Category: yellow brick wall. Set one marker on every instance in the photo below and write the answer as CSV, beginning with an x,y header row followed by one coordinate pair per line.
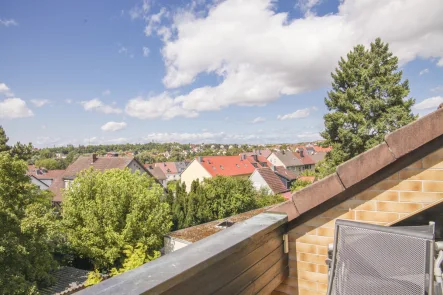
x,y
396,197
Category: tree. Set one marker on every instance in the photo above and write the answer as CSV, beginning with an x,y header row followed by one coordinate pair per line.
x,y
3,140
368,100
27,224
21,151
105,211
50,164
299,184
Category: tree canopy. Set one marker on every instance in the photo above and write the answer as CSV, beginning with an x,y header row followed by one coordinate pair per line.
x,y
368,100
104,212
27,224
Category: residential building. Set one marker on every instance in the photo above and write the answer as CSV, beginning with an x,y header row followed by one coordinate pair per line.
x,y
307,162
283,250
98,163
318,156
207,167
265,178
286,176
157,173
43,178
262,153
172,170
287,159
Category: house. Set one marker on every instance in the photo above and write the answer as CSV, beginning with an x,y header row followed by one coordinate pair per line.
x,y
306,159
286,159
286,176
264,153
112,154
283,250
43,178
98,163
317,157
157,173
266,178
207,167
172,170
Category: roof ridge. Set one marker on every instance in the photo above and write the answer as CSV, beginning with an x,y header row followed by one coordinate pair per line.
x,y
423,136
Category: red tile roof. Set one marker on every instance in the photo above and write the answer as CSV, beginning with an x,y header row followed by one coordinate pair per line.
x,y
167,167
50,174
273,181
307,178
155,171
306,159
322,149
226,165
259,162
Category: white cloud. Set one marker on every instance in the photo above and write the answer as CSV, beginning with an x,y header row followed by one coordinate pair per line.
x,y
153,21
39,102
440,62
309,136
258,120
8,22
140,11
145,51
12,108
119,140
261,55
303,113
184,137
47,140
422,72
106,92
160,106
68,101
123,50
437,89
5,90
114,126
98,106
429,103
306,5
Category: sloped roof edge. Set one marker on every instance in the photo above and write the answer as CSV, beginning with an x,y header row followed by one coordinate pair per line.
x,y
400,149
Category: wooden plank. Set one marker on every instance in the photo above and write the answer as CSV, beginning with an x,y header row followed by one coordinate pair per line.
x,y
249,276
227,270
274,283
280,267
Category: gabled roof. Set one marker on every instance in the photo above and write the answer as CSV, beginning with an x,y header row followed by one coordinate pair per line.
x,y
400,149
56,187
67,281
226,165
318,156
50,174
101,163
319,149
288,158
272,180
264,153
306,159
167,167
286,173
155,171
261,161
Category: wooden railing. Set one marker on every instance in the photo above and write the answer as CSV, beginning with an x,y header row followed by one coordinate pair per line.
x,y
246,258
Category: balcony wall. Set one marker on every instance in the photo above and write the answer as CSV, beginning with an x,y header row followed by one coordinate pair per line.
x,y
246,258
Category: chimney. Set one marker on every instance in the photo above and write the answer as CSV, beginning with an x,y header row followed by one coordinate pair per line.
x,y
94,158
301,153
200,159
273,168
255,157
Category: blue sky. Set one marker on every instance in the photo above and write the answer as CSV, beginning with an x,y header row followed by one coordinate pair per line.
x,y
254,71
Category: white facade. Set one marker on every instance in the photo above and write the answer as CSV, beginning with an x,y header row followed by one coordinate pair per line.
x,y
194,171
275,160
258,182
134,166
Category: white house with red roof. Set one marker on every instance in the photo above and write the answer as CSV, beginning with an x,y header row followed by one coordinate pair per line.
x,y
207,167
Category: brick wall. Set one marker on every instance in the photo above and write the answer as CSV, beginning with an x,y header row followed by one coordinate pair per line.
x,y
411,189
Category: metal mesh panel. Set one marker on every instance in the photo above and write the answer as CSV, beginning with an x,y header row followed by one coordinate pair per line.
x,y
375,262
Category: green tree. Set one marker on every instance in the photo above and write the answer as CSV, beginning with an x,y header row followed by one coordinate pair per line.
x,y
105,211
3,140
299,184
368,100
27,223
49,164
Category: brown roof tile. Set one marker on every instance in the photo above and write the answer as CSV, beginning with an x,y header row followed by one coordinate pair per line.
x,y
426,132
157,172
102,163
272,180
286,173
415,134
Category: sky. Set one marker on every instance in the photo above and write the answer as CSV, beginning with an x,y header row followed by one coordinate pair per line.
x,y
233,71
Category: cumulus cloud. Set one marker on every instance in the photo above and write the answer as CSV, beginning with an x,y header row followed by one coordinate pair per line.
x,y
140,11
437,89
98,106
258,120
145,51
8,22
184,137
39,102
68,101
106,92
290,59
309,136
298,114
5,90
12,108
160,106
47,140
114,126
422,72
429,103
